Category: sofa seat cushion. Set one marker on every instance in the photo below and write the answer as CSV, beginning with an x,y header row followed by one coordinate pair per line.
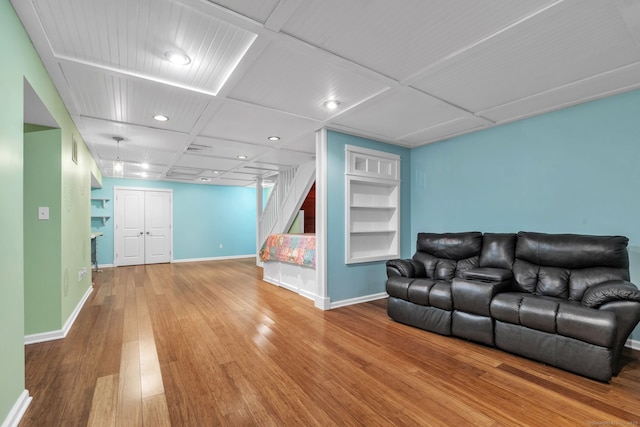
x,y
398,286
428,292
555,316
435,293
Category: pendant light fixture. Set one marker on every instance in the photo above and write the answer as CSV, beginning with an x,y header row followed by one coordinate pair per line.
x,y
118,165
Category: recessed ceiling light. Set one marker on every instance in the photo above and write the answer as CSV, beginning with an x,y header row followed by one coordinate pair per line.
x,y
242,157
205,179
176,57
160,117
273,138
144,165
332,104
216,172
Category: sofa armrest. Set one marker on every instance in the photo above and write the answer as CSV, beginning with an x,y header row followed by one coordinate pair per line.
x,y
609,291
488,274
474,296
401,267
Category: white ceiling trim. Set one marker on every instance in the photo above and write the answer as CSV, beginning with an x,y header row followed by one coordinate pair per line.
x,y
281,14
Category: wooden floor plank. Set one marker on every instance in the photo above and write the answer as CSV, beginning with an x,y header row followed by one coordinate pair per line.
x,y
155,412
210,344
105,402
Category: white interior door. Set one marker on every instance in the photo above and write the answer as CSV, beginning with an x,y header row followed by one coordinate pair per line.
x,y
142,226
129,227
157,223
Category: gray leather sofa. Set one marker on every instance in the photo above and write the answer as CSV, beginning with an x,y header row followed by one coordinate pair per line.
x,y
562,299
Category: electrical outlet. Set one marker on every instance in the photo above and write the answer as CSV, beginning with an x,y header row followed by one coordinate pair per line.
x,y
83,272
43,213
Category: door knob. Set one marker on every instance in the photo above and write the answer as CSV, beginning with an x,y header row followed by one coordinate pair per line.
x,y
141,233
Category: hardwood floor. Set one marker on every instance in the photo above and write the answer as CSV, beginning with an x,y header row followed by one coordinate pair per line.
x,y
207,344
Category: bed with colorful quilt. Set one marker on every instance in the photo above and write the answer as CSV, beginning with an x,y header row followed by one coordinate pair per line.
x,y
289,260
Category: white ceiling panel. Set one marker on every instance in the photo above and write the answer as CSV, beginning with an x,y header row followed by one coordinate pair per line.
x,y
305,143
133,37
228,149
256,10
398,39
260,169
126,99
238,121
136,174
102,131
413,111
621,80
288,80
569,42
136,171
244,178
107,151
442,131
408,72
285,158
207,163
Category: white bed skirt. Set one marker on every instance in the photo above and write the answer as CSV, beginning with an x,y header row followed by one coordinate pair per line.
x,y
297,278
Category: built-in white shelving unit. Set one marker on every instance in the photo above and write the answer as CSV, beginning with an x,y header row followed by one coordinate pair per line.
x,y
372,205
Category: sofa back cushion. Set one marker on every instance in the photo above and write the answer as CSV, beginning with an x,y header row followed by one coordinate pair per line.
x,y
565,265
498,250
446,255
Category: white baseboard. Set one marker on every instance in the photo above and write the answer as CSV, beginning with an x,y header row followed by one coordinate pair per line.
x,y
358,300
289,287
17,411
60,333
633,344
101,266
307,294
323,303
217,258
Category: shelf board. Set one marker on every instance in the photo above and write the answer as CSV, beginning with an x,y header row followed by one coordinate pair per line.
x,y
354,259
373,207
99,199
103,217
372,231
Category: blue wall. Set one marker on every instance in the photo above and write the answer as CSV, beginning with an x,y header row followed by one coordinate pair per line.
x,y
356,280
204,216
570,171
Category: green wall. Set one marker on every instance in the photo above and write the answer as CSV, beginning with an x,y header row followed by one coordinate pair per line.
x,y
42,239
74,248
12,38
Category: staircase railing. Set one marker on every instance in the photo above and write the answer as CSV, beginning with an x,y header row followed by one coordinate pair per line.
x,y
270,213
284,202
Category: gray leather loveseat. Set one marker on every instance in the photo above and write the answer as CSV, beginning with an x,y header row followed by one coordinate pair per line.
x,y
561,299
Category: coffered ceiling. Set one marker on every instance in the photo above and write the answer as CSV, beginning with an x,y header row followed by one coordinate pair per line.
x,y
407,72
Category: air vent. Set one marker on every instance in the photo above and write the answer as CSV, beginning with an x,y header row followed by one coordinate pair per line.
x,y
197,148
183,174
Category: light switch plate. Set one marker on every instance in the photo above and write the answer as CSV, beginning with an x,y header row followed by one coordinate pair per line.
x,y
43,212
